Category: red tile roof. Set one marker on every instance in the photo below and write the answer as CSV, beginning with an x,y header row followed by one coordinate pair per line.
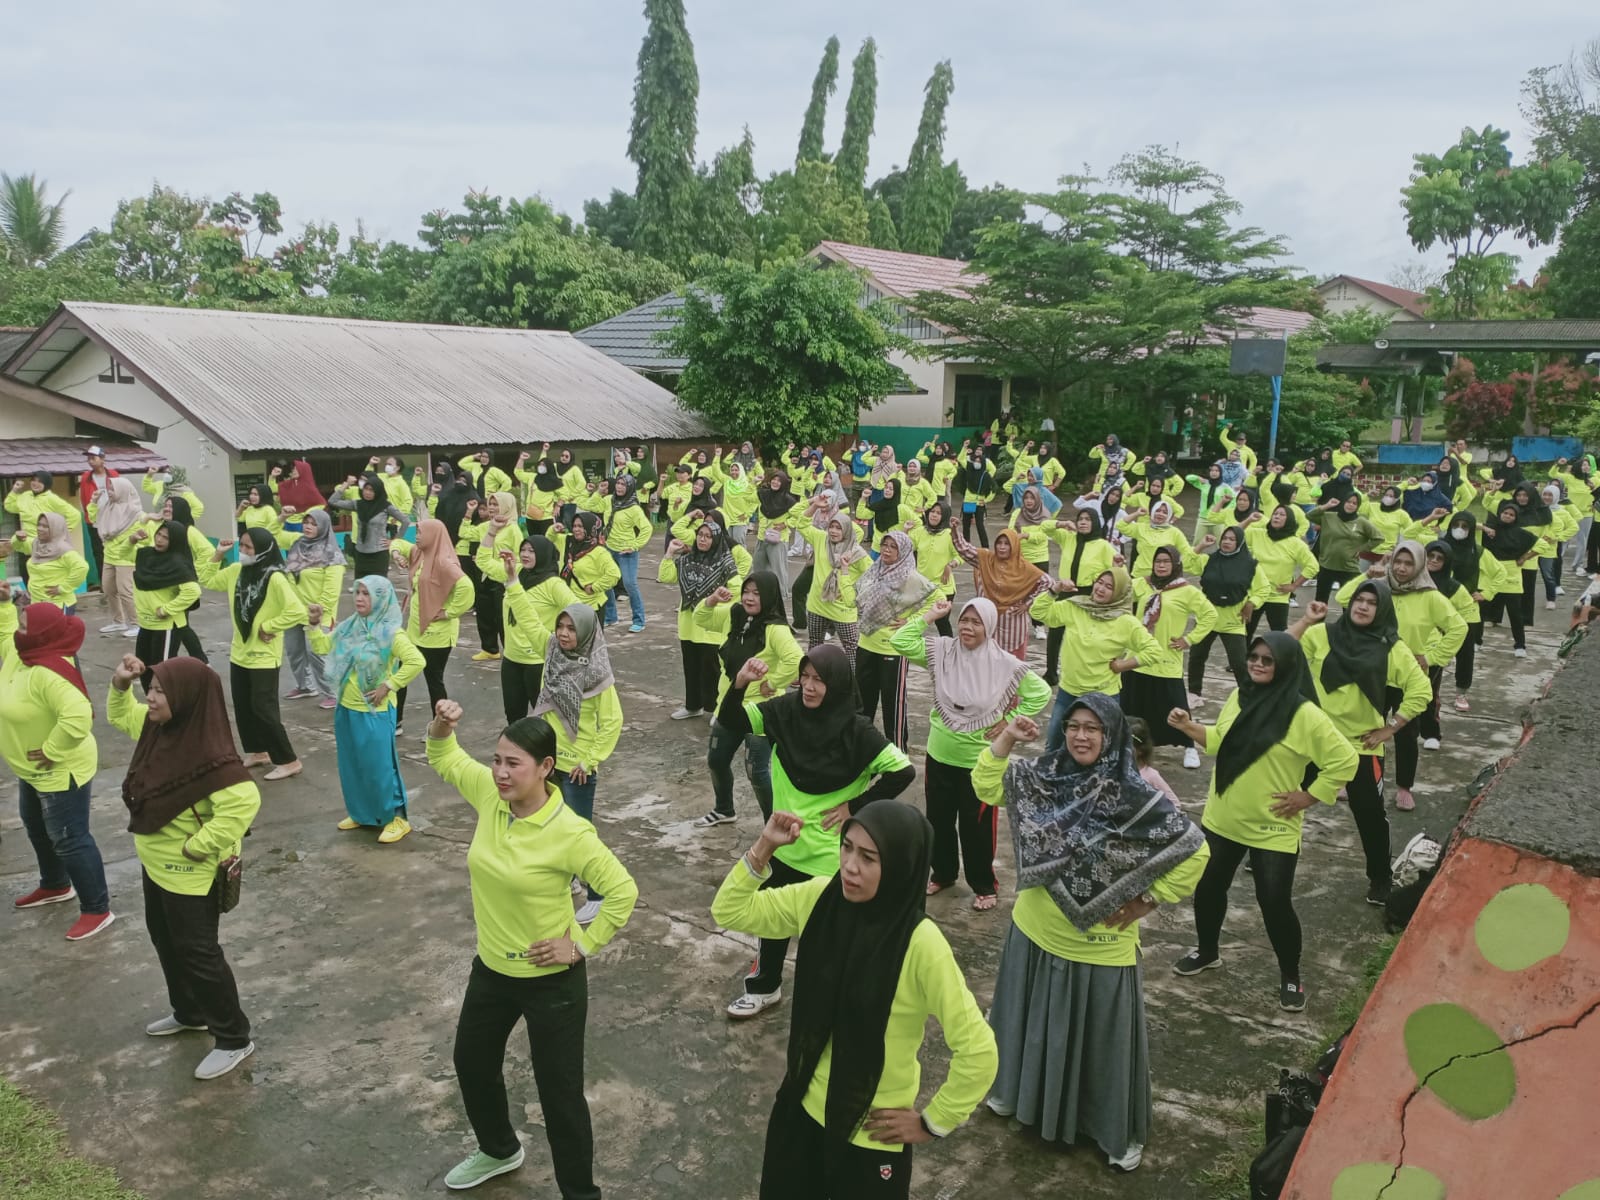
x,y
1401,297
64,456
903,275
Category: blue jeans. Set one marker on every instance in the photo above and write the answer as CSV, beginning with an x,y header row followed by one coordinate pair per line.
x,y
628,564
1550,572
720,753
579,797
58,826
1054,738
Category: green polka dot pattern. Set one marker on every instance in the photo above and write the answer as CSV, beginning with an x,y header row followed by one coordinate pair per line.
x,y
1523,925
1370,1181
1461,1060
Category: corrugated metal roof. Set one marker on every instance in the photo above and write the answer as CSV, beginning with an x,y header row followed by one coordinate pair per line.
x,y
629,337
11,339
64,456
1398,296
900,274
1496,335
265,381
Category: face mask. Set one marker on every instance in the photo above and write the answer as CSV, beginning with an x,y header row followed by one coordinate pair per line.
x,y
1426,486
245,559
1390,501
1460,535
390,469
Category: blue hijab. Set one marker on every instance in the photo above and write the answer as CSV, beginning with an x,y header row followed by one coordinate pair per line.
x,y
1419,504
366,644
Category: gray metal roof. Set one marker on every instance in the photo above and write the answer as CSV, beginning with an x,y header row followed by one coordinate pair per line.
x,y
11,339
1363,358
629,338
1496,335
256,381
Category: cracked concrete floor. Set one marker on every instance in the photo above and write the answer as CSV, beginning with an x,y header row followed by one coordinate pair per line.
x,y
352,958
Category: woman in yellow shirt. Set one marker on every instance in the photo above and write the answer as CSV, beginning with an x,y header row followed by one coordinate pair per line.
x,y
700,572
166,585
1097,850
531,953
871,969
55,570
1266,736
440,592
1176,614
190,802
118,514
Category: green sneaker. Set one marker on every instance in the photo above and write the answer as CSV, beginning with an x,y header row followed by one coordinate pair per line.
x,y
470,1172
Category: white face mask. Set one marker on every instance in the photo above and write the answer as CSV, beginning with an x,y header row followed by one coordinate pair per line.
x,y
1426,486
1459,534
390,469
246,559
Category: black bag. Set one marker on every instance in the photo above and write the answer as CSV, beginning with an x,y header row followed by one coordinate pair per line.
x,y
1270,1169
230,875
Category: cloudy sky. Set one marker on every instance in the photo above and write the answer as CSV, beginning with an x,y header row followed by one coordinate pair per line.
x,y
352,109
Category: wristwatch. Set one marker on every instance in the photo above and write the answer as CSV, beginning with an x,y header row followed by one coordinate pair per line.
x,y
1147,898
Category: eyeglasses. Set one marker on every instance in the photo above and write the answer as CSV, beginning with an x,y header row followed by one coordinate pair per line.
x,y
1265,660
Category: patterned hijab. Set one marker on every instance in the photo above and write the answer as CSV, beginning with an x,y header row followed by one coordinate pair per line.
x,y
1097,836
316,545
573,676
890,592
840,554
365,644
702,572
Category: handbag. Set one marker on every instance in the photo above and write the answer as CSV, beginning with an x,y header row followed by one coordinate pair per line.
x,y
229,877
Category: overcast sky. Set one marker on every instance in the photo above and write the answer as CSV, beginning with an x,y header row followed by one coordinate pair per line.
x,y
352,109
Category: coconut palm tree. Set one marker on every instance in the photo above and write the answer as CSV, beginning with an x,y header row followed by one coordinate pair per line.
x,y
30,226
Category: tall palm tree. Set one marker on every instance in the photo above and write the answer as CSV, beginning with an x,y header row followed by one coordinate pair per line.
x,y
30,226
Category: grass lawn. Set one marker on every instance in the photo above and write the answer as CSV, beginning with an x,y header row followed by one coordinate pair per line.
x,y
35,1163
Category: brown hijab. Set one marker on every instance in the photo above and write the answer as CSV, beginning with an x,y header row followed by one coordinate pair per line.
x,y
183,760
1010,583
434,571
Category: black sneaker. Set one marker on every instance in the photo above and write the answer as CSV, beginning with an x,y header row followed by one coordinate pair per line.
x,y
714,818
1291,996
1192,963
1378,894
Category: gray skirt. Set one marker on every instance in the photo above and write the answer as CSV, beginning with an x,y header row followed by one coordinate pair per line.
x,y
1074,1058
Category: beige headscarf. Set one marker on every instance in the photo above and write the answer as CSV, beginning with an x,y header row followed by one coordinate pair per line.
x,y
435,568
119,507
53,547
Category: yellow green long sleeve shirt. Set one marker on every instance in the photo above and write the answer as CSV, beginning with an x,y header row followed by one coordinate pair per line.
x,y
522,870
1281,560
280,612
599,727
175,602
1091,645
595,573
1244,813
1429,623
57,581
931,984
507,540
1046,926
844,608
39,710
152,486
936,558
629,530
690,630
1178,606
779,651
945,745
782,525
27,505
442,631
182,856
405,664
1034,540
1098,556
530,618
1348,707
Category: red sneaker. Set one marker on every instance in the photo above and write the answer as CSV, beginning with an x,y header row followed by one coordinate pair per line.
x,y
41,896
89,924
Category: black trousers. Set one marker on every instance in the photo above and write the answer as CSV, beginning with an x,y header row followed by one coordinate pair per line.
x,y
1233,644
1365,793
768,975
489,611
882,677
1530,592
1052,653
702,671
375,563
1467,656
964,827
1277,614
154,646
798,609
801,1164
556,1008
97,549
1329,582
1508,607
519,687
434,661
255,712
945,630
1273,872
1428,718
967,519
1591,549
200,985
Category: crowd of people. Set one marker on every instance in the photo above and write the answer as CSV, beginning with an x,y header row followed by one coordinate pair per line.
x,y
864,558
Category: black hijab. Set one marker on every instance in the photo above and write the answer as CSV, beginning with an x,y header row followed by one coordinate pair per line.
x,y
1535,511
1278,533
1250,494
1154,470
1465,553
1444,581
1265,710
181,513
776,502
886,510
1338,488
1360,654
1510,541
546,563
848,967
703,495
156,569
455,489
255,579
1510,473
368,510
826,748
747,635
1228,575
942,507
1080,540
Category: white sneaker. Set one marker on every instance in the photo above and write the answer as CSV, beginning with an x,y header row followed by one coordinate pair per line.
x,y
1519,652
749,1004
1561,591
1040,634
219,1062
1293,602
1430,743
131,631
1191,758
1130,1160
167,1026
589,911
1549,604
114,627
683,714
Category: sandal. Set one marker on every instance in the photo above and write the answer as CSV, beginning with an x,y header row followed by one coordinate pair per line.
x,y
935,887
984,903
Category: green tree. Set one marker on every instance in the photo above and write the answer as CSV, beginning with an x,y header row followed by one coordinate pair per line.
x,y
1574,270
1562,104
860,115
29,295
154,239
31,226
880,226
805,206
376,279
930,184
975,211
614,218
785,354
661,140
816,120
1469,196
727,195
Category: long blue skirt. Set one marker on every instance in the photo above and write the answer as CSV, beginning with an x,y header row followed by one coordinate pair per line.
x,y
369,766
